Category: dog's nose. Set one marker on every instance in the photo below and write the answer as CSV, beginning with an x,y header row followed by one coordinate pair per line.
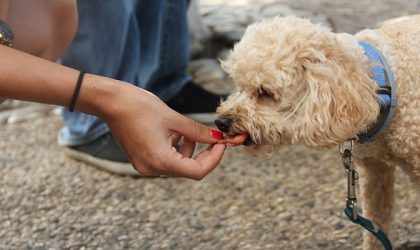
x,y
223,124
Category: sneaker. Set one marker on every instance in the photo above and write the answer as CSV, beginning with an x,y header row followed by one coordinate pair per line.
x,y
104,153
196,103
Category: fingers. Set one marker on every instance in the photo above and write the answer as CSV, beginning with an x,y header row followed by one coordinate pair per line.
x,y
175,138
201,165
179,163
195,131
187,148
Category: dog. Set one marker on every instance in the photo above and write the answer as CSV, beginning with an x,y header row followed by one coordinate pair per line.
x,y
300,83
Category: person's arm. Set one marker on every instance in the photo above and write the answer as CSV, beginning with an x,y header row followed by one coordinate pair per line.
x,y
43,28
34,79
144,126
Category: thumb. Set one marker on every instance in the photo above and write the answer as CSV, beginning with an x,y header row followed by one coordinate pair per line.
x,y
195,131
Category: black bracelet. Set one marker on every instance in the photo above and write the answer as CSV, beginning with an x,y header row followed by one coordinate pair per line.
x,y
76,91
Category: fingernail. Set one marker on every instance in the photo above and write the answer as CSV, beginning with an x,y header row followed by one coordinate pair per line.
x,y
216,134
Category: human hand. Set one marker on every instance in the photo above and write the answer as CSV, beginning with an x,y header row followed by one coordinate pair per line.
x,y
148,130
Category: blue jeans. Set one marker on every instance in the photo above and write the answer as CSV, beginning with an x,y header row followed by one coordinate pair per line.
x,y
143,42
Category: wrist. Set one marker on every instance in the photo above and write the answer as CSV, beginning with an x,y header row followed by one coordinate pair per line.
x,y
98,95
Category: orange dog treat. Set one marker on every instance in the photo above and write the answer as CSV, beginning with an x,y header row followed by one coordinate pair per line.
x,y
234,141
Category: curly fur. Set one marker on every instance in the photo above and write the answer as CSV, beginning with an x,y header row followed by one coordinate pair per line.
x,y
300,83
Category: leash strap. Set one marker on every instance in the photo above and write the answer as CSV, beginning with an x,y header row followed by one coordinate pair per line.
x,y
346,151
367,224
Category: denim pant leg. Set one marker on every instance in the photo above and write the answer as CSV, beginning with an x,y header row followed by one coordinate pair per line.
x,y
142,42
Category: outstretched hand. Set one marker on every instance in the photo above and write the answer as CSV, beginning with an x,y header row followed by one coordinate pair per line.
x,y
148,131
146,128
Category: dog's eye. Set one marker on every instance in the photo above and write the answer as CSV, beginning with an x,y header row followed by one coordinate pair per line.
x,y
263,93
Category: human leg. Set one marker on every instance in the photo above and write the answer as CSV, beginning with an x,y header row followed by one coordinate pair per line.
x,y
43,28
142,42
106,29
111,41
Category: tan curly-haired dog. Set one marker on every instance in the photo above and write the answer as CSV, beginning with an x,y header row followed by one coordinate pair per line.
x,y
300,83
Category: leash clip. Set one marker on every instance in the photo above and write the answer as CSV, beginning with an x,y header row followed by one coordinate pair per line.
x,y
346,151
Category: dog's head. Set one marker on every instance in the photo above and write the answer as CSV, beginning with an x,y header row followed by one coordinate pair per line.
x,y
297,82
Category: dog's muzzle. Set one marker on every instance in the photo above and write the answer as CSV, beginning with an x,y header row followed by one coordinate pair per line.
x,y
224,124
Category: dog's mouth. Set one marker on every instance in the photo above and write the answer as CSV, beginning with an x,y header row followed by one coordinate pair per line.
x,y
237,139
248,141
232,135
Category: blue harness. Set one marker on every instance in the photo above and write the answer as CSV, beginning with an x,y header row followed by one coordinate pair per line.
x,y
387,99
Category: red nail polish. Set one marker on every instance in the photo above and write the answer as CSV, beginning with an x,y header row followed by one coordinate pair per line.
x,y
216,134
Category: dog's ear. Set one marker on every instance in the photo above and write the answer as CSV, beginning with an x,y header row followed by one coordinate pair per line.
x,y
339,101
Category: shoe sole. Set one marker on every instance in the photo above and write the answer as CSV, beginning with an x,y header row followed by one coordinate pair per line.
x,y
109,166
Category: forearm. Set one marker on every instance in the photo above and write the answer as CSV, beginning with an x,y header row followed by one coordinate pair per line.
x,y
30,78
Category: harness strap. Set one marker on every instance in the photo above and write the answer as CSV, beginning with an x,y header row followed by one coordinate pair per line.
x,y
367,224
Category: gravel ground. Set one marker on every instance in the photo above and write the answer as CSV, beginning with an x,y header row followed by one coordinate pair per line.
x,y
290,200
